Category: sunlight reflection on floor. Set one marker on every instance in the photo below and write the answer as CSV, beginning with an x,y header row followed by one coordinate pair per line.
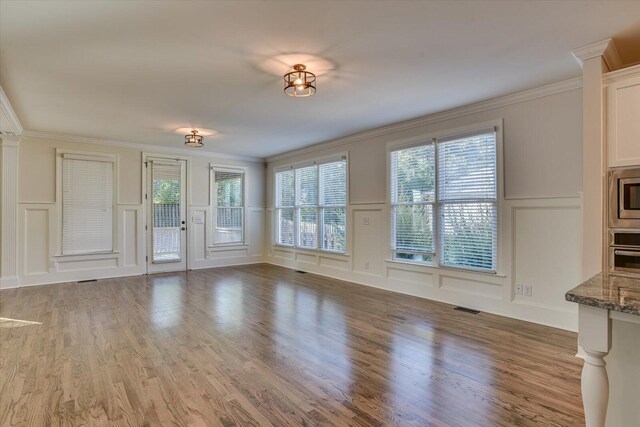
x,y
6,322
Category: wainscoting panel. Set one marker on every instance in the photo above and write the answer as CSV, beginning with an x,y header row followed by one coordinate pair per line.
x,y
341,264
471,287
306,258
368,240
132,237
403,275
36,239
539,243
545,252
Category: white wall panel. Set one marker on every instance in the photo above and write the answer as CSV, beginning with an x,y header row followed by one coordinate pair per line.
x,y
39,239
395,274
333,263
36,240
545,253
479,288
368,245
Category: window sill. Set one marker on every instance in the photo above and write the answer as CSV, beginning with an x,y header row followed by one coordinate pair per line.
x,y
229,247
93,255
311,251
445,268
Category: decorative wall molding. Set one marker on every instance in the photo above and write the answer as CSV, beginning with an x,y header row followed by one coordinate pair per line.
x,y
134,145
493,293
7,113
622,74
502,101
9,211
605,48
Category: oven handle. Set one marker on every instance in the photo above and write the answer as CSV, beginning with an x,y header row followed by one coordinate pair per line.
x,y
626,253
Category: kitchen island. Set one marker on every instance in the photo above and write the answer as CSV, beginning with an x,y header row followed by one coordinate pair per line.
x,y
603,298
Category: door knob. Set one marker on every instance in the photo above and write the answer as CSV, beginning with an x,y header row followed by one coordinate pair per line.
x,y
184,222
183,228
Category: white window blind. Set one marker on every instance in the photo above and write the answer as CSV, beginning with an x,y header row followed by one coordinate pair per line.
x,y
228,211
307,206
467,190
463,212
285,206
87,204
412,202
311,204
333,205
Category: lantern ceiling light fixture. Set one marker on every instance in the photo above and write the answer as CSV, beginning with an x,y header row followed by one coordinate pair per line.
x,y
194,140
299,83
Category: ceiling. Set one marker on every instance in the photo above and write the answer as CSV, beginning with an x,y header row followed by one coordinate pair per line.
x,y
138,71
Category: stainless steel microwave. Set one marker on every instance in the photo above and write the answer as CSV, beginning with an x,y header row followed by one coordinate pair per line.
x,y
624,198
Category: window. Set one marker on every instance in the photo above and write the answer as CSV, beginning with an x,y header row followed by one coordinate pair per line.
x,y
444,202
311,206
228,206
87,204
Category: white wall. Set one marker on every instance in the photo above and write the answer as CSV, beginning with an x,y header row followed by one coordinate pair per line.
x,y
39,224
539,235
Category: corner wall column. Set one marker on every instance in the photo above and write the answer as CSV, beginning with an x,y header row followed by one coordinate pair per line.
x,y
9,211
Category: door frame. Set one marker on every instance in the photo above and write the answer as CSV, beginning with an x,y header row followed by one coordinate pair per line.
x,y
145,203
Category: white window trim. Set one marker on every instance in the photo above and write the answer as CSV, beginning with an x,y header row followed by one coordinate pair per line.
x,y
87,155
293,166
214,167
424,139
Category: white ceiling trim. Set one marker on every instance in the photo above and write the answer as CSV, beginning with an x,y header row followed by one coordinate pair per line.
x,y
136,146
7,110
614,76
502,101
605,48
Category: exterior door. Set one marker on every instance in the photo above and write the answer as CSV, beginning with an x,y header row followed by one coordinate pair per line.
x,y
166,215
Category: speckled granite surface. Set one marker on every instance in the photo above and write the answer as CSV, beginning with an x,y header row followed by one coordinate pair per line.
x,y
610,292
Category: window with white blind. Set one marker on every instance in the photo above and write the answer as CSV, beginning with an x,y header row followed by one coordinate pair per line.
x,y
228,194
311,206
87,204
444,202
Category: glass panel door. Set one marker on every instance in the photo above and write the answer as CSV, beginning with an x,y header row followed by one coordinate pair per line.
x,y
166,227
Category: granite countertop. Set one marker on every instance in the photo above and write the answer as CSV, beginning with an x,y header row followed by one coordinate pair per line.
x,y
610,292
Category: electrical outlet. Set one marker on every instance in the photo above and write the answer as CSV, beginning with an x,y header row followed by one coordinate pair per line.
x,y
53,265
366,265
365,220
528,290
518,289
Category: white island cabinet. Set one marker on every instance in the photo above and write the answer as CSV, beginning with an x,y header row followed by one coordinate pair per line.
x,y
623,116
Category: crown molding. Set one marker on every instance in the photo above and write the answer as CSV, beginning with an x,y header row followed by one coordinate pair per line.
x,y
136,146
503,101
605,48
9,140
7,111
624,73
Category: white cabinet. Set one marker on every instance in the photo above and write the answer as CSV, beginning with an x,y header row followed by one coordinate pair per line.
x,y
623,117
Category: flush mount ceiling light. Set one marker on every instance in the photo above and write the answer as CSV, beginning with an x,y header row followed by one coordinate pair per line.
x,y
194,140
299,82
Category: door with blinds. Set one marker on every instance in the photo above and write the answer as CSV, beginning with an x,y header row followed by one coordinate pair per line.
x,y
166,215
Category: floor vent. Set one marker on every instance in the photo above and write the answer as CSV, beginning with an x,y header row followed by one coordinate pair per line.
x,y
301,272
467,310
87,281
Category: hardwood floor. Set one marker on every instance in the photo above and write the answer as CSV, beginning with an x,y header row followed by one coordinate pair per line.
x,y
264,345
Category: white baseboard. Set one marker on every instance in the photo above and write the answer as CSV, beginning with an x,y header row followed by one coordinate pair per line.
x,y
9,282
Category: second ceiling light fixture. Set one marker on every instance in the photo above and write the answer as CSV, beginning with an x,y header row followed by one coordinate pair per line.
x,y
299,83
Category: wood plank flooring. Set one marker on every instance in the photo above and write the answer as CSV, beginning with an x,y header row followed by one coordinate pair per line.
x,y
265,346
